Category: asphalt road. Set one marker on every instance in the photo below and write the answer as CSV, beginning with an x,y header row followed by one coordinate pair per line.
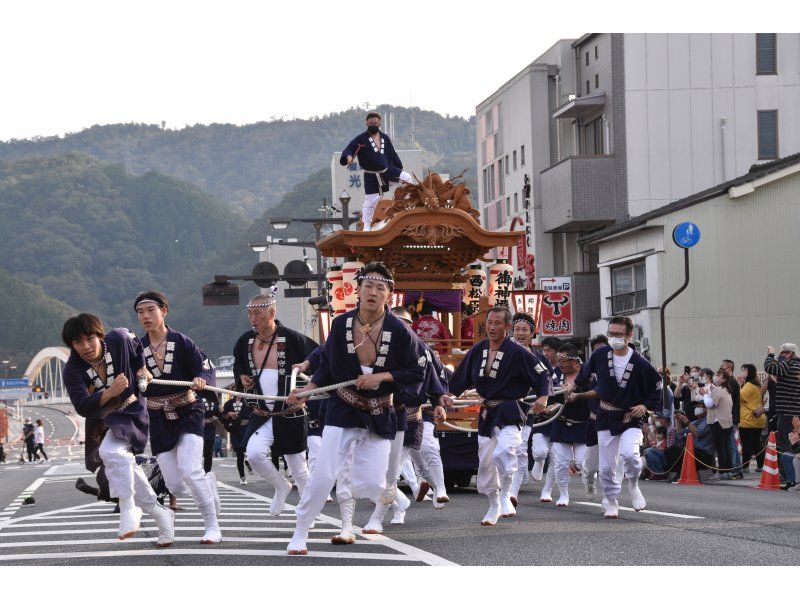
x,y
731,524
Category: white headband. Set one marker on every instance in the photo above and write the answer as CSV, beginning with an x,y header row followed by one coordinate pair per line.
x,y
377,278
158,303
273,302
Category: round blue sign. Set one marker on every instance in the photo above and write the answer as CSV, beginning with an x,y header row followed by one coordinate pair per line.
x,y
686,235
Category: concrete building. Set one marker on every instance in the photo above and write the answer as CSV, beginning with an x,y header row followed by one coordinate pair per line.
x,y
743,290
611,126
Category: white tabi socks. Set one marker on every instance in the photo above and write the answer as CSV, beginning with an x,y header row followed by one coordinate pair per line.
x,y
547,489
516,482
282,489
537,471
436,476
129,519
346,536
611,509
493,514
637,498
375,523
506,506
563,499
399,507
165,521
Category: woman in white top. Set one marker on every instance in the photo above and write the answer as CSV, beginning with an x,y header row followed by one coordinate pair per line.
x,y
719,403
38,438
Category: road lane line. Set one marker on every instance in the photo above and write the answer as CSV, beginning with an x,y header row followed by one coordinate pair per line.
x,y
62,532
367,556
649,512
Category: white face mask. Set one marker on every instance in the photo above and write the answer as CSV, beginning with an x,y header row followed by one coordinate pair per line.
x,y
617,343
699,411
703,379
715,380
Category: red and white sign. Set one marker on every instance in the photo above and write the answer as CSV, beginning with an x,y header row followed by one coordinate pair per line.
x,y
397,300
556,315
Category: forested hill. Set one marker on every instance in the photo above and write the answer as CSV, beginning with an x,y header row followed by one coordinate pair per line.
x,y
92,237
251,167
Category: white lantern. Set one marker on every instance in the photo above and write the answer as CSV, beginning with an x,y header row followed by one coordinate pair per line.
x,y
474,287
501,279
349,271
336,289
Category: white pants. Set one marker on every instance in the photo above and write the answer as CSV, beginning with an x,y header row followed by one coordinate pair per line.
x,y
182,469
396,456
125,478
356,460
563,455
497,456
259,450
314,442
371,201
591,460
626,445
540,446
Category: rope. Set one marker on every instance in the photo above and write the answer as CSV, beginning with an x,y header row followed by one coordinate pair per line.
x,y
694,456
244,395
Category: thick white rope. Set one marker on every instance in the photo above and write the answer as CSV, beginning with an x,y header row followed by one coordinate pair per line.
x,y
143,384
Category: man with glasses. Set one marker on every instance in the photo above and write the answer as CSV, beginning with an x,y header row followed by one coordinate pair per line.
x,y
627,386
787,391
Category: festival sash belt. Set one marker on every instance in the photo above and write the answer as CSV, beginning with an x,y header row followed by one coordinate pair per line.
x,y
126,403
288,411
571,422
373,405
379,175
414,414
168,404
609,407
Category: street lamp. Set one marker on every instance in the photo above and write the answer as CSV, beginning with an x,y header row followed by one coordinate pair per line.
x,y
279,223
345,199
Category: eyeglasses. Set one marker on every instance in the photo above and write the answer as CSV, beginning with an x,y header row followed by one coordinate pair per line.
x,y
610,334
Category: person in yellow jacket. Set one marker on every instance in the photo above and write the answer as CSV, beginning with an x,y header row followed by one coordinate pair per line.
x,y
752,415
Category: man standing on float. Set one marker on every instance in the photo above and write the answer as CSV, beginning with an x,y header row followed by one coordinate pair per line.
x,y
380,162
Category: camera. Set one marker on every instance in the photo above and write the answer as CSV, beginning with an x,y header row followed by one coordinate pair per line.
x,y
687,370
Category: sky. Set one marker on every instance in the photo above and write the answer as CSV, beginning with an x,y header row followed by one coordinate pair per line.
x,y
69,65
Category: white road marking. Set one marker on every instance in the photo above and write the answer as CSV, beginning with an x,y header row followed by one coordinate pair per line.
x,y
111,530
367,556
195,539
665,514
116,521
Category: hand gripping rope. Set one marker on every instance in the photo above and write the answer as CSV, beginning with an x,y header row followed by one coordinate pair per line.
x,y
527,400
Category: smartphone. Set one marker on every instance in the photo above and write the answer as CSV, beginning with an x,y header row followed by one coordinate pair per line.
x,y
687,370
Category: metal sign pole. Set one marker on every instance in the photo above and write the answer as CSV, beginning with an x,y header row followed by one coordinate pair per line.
x,y
685,235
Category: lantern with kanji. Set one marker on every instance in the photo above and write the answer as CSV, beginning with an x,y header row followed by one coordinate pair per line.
x,y
529,302
501,280
336,289
474,287
349,271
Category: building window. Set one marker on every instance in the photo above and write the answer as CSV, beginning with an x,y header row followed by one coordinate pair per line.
x,y
506,163
499,213
587,58
514,154
522,155
486,217
628,288
596,81
595,52
516,204
767,134
508,207
766,54
501,179
592,138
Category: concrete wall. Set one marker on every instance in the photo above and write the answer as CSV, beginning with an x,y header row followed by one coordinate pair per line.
x,y
678,88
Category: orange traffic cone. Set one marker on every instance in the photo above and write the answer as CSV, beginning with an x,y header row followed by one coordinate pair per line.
x,y
689,467
770,478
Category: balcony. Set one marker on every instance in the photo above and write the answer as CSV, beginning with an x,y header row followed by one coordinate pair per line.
x,y
626,302
579,194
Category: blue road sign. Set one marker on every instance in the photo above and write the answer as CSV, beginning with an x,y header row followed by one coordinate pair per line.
x,y
686,235
13,382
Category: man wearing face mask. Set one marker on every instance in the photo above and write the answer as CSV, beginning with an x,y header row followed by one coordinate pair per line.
x,y
380,162
627,386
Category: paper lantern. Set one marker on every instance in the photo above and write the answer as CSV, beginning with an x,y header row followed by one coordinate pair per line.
x,y
529,302
501,279
349,271
336,289
474,287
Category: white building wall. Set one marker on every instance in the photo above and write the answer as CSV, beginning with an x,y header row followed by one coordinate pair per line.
x,y
678,88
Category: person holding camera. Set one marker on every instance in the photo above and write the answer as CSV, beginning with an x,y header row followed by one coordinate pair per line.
x,y
719,405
